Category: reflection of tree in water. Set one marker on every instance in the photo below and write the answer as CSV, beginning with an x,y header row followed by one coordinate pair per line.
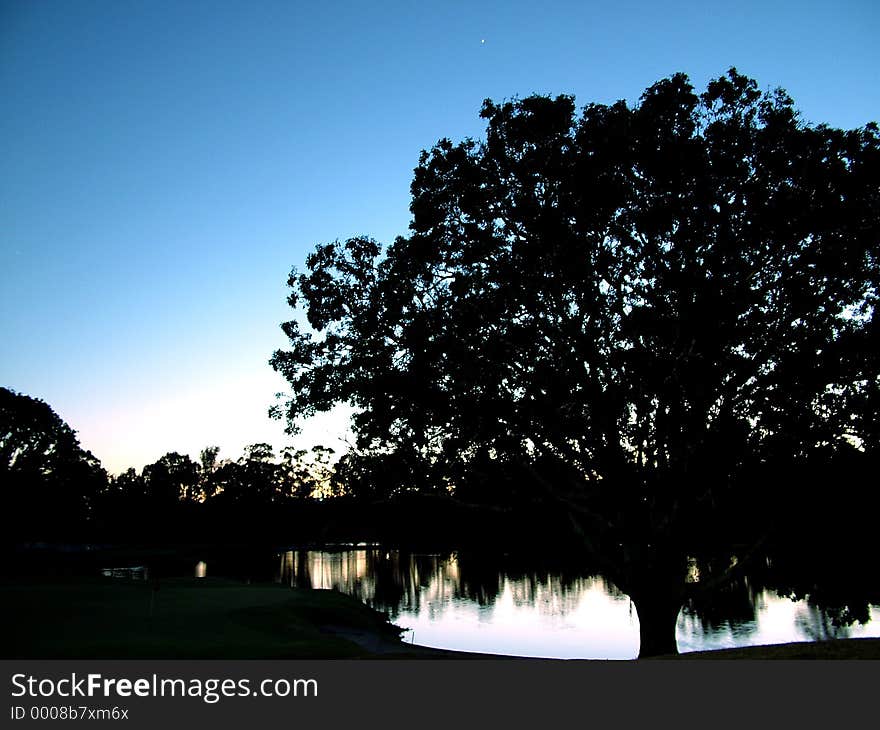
x,y
730,608
397,581
836,576
556,590
833,581
552,596
411,582
819,624
404,580
733,606
387,580
480,580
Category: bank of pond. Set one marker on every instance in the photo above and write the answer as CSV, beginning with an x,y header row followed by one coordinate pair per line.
x,y
372,600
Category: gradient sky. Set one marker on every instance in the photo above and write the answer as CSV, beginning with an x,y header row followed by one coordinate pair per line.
x,y
163,165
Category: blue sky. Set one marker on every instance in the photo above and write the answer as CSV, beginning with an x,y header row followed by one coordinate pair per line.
x,y
163,165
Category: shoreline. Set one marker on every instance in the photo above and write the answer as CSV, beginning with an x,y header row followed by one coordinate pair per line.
x,y
107,618
835,649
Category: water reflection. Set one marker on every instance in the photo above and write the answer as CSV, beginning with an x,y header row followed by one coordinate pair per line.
x,y
468,603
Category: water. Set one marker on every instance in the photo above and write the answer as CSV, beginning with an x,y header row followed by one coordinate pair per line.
x,y
470,604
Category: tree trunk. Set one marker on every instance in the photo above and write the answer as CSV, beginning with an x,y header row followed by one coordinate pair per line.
x,y
658,614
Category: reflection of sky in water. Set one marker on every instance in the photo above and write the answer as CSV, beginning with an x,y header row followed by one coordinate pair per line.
x,y
597,624
538,616
778,620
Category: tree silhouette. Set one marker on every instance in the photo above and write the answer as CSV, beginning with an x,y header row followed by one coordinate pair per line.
x,y
651,313
305,474
171,479
207,466
49,481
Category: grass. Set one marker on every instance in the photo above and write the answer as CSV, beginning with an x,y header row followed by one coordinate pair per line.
x,y
212,618
186,618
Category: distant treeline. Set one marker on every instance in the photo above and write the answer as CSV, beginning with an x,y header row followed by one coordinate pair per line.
x,y
56,491
297,498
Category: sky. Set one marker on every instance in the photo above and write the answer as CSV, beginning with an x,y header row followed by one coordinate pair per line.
x,y
163,165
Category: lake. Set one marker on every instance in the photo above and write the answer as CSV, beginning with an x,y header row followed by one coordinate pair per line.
x,y
469,603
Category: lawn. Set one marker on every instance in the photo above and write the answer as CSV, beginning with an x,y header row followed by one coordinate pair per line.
x,y
205,618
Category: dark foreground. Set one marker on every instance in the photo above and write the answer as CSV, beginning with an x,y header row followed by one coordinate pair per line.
x,y
209,618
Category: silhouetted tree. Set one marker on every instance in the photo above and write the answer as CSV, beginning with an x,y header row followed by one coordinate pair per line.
x,y
129,485
207,466
251,481
228,483
260,473
654,311
123,505
49,481
355,474
171,479
307,474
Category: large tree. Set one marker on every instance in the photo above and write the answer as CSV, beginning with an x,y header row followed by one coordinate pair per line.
x,y
49,481
655,312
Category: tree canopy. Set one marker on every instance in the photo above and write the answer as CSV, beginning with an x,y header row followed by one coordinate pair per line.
x,y
645,312
49,481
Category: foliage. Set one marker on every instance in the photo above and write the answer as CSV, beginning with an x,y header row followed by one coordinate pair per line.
x,y
172,478
649,313
49,481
